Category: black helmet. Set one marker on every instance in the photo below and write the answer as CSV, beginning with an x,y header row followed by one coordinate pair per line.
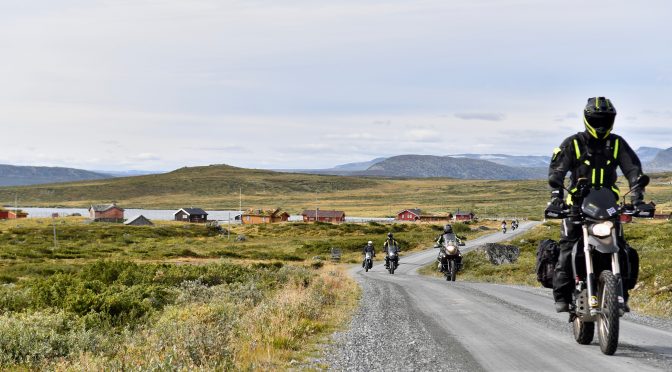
x,y
598,117
448,229
389,235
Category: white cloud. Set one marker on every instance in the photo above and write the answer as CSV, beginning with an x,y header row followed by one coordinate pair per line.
x,y
487,116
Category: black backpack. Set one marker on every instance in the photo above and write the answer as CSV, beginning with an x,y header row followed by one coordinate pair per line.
x,y
547,258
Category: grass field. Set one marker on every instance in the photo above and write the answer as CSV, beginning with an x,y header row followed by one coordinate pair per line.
x,y
652,239
217,187
179,296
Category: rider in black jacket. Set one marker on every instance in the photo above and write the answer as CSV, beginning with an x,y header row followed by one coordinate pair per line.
x,y
593,155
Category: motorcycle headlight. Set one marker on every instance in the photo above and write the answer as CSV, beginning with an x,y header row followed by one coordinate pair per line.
x,y
602,230
451,249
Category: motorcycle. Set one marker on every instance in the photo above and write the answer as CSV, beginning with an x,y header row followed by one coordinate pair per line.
x,y
448,258
514,226
598,295
368,261
503,229
393,258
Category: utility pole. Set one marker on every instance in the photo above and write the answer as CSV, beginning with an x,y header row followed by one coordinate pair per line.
x,y
53,221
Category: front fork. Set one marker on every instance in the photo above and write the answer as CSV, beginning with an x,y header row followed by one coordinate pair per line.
x,y
590,273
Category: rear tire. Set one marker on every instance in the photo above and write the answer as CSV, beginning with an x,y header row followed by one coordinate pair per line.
x,y
583,331
608,320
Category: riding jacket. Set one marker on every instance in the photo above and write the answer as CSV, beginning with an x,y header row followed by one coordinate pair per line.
x,y
596,161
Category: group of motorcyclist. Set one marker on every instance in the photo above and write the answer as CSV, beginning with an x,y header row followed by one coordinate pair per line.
x,y
390,242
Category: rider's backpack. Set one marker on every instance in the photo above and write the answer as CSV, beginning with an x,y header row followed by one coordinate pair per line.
x,y
547,258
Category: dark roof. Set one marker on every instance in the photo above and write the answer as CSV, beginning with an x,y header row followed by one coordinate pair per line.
x,y
191,211
463,213
140,217
264,212
415,211
103,207
323,213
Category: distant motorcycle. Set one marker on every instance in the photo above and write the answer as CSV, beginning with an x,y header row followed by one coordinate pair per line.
x,y
448,258
503,229
514,226
598,296
368,261
393,258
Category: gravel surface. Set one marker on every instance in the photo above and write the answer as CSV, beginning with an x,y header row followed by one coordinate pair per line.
x,y
387,335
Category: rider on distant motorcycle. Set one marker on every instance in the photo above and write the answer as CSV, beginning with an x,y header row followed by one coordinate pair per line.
x,y
448,234
593,155
390,242
368,248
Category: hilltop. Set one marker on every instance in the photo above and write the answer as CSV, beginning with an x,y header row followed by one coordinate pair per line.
x,y
12,175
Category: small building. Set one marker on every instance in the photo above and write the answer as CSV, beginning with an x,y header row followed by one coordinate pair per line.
x,y
106,213
139,221
323,216
464,216
417,215
196,215
12,214
409,215
257,216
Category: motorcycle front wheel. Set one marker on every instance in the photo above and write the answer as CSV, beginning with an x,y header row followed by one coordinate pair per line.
x,y
452,269
608,320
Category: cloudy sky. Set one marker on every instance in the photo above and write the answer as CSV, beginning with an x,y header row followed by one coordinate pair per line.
x,y
160,84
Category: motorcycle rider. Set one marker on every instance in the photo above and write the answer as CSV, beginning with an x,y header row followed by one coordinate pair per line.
x,y
504,226
448,234
368,248
594,156
390,242
514,224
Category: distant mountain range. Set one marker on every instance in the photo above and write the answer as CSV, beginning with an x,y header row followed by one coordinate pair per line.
x,y
11,175
423,166
474,166
463,166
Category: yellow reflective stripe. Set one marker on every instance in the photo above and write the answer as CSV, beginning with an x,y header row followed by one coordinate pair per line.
x,y
616,148
590,129
586,162
601,176
593,176
607,134
556,151
616,190
597,102
576,148
608,162
569,200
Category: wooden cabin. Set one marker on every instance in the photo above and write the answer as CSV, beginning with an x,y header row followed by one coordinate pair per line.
x,y
195,215
106,213
257,216
323,216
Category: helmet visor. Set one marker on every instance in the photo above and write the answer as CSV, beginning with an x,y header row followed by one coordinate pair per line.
x,y
601,123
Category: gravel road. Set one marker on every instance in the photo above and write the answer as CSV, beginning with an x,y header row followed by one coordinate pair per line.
x,y
408,322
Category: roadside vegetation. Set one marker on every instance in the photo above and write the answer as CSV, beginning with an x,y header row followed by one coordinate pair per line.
x,y
179,296
651,238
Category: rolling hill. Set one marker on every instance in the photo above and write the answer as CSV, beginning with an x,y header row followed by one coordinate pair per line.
x,y
11,175
423,166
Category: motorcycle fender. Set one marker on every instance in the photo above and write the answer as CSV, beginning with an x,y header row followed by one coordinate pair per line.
x,y
603,245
